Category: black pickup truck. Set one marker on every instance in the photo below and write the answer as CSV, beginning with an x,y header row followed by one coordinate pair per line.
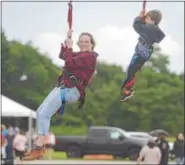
x,y
101,140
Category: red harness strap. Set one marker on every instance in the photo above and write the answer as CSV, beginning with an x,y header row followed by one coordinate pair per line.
x,y
70,15
144,7
130,84
69,20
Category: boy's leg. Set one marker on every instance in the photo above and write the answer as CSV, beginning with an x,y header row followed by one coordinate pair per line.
x,y
128,83
44,113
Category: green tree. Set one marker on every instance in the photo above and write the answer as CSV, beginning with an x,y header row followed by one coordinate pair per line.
x,y
158,102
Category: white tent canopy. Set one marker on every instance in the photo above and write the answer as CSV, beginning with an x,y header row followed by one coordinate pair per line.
x,y
11,108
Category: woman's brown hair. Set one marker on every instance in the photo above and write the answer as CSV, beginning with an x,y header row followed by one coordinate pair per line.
x,y
91,38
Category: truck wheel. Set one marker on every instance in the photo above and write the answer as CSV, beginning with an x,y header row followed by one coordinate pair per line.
x,y
74,152
134,154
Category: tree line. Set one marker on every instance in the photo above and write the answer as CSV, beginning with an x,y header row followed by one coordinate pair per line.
x,y
157,103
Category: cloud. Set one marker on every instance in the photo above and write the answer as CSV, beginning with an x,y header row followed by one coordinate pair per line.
x,y
50,43
170,46
114,44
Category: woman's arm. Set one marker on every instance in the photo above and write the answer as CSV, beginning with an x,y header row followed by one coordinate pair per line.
x,y
141,155
139,160
64,50
158,155
84,60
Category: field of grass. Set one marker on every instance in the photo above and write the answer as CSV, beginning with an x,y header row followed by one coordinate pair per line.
x,y
69,131
55,155
171,139
61,155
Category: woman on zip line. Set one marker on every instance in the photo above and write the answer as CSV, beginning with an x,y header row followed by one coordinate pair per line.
x,y
79,68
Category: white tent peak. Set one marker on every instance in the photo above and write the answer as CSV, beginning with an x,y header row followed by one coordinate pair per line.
x,y
11,108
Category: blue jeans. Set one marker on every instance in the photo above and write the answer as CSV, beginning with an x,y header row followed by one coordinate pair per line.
x,y
51,105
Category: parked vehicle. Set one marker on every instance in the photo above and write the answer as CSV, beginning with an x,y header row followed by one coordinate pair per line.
x,y
140,135
101,140
158,132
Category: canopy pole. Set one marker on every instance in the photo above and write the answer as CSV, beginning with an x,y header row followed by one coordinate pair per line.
x,y
30,132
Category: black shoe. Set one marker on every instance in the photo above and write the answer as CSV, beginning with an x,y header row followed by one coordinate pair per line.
x,y
126,96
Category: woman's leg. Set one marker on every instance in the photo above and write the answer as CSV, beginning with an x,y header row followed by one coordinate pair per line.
x,y
48,108
44,113
51,105
47,99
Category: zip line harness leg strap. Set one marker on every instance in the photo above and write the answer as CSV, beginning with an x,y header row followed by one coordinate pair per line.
x,y
63,92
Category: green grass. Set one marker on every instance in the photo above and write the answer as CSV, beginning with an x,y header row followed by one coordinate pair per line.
x,y
69,131
171,139
59,156
56,155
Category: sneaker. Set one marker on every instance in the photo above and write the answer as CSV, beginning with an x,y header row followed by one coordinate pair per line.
x,y
34,154
126,96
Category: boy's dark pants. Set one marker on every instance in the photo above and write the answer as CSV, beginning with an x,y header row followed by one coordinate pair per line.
x,y
135,65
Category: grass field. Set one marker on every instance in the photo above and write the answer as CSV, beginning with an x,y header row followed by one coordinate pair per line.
x,y
171,139
62,155
55,155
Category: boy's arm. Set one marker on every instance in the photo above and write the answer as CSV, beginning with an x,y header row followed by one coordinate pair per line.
x,y
139,26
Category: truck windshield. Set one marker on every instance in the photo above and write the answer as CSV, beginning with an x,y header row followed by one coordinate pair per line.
x,y
124,133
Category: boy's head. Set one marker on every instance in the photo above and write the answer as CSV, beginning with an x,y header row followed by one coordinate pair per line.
x,y
153,17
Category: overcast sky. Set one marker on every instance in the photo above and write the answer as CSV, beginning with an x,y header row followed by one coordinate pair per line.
x,y
45,23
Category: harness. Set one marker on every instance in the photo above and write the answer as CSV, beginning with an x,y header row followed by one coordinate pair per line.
x,y
143,42
74,81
